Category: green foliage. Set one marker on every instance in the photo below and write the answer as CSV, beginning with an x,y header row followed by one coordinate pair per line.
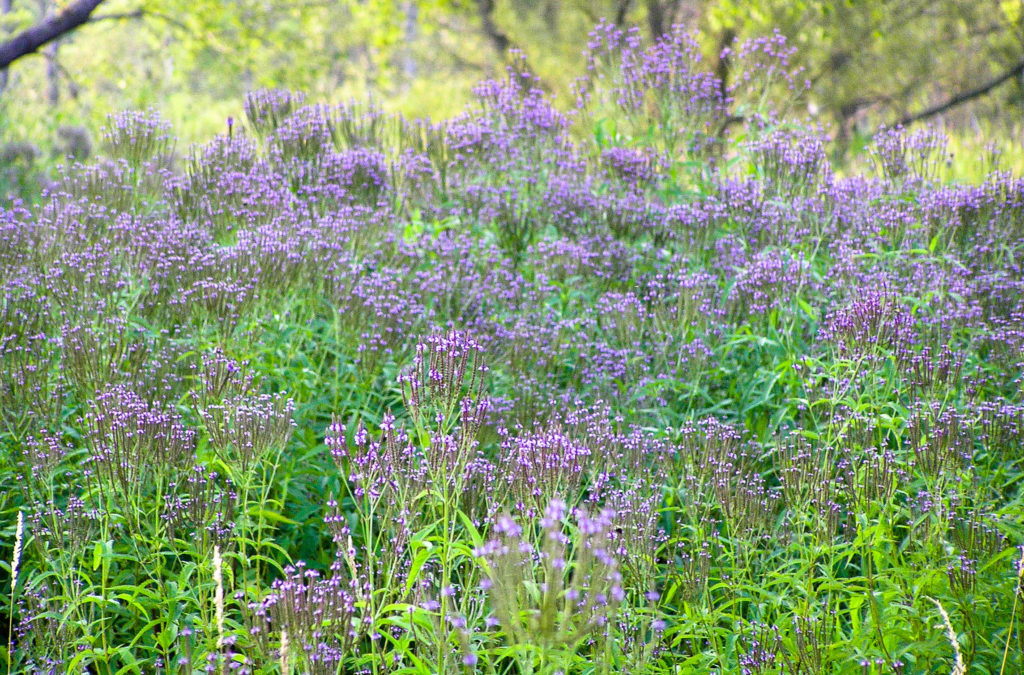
x,y
207,467
868,63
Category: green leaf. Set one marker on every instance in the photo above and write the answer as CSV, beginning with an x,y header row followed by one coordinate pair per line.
x,y
808,310
420,557
475,538
267,514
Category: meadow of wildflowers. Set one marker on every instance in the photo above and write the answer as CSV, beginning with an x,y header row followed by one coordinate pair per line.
x,y
637,386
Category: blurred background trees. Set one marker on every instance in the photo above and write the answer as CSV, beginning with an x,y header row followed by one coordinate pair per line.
x,y
869,62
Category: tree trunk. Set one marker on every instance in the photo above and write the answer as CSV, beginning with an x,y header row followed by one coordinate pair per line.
x,y
46,10
410,67
724,66
5,8
550,13
52,73
663,14
496,36
656,18
621,9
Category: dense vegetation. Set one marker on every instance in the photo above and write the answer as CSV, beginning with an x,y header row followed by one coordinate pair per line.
x,y
639,385
869,62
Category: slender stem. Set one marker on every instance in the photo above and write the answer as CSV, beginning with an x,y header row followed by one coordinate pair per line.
x,y
1013,613
14,582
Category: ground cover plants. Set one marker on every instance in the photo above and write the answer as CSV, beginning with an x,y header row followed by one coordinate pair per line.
x,y
637,386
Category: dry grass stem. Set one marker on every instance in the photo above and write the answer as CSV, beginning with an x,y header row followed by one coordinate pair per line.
x,y
1013,612
218,597
19,532
285,669
958,663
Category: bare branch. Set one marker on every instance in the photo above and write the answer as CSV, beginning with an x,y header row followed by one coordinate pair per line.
x,y
963,97
31,39
121,16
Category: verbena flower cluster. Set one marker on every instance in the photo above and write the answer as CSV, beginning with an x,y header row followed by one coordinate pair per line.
x,y
641,384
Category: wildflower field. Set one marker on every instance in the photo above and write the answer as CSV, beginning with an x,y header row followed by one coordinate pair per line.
x,y
636,385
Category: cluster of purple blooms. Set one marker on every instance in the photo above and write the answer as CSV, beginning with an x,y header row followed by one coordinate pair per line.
x,y
625,389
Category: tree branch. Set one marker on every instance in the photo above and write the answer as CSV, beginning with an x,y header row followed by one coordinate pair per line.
x,y
962,97
31,39
122,16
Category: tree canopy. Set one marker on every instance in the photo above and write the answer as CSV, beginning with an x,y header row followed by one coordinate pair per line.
x,y
869,63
